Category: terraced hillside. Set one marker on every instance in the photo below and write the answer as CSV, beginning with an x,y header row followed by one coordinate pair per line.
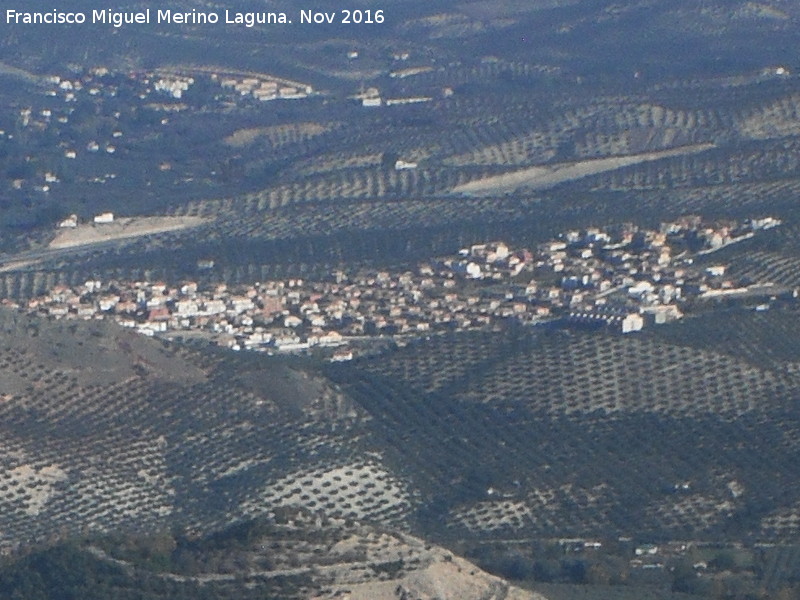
x,y
365,211
104,430
312,184
688,430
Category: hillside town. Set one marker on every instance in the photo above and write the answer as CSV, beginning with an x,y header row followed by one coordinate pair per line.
x,y
622,277
62,111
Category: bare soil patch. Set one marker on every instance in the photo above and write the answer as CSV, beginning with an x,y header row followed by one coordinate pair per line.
x,y
545,176
91,233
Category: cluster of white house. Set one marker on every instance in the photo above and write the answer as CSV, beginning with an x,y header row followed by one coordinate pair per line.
x,y
619,277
